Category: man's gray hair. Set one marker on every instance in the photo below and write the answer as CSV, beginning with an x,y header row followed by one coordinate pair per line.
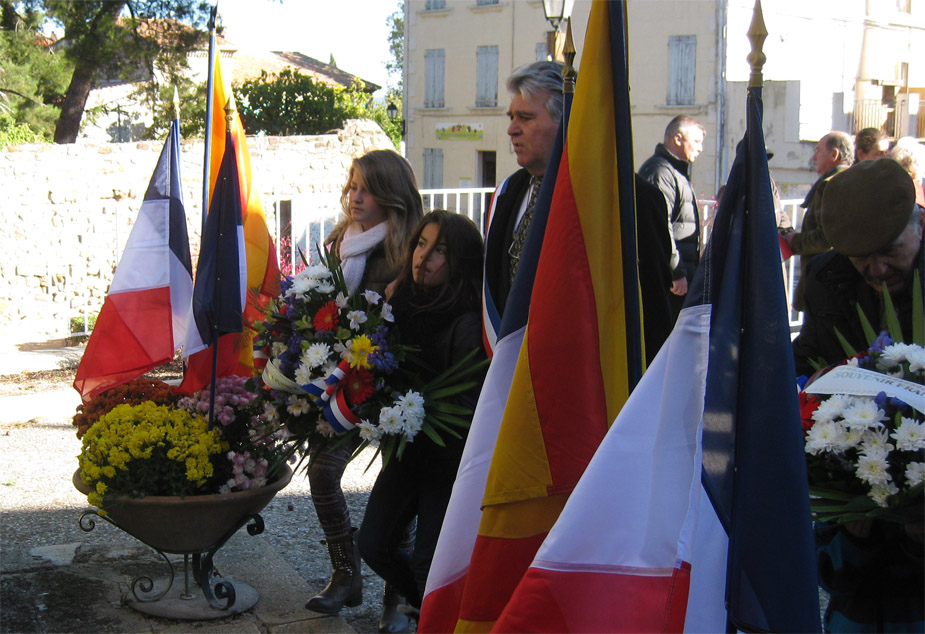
x,y
531,79
682,123
841,141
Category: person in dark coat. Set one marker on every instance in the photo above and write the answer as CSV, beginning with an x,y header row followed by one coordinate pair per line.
x,y
833,154
669,169
436,305
870,218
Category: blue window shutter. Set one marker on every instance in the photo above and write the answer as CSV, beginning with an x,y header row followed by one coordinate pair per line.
x,y
486,89
682,64
433,78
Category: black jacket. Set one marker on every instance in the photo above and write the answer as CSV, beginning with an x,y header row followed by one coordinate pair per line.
x,y
672,176
834,290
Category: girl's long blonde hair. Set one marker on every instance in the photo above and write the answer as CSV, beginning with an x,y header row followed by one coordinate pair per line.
x,y
390,181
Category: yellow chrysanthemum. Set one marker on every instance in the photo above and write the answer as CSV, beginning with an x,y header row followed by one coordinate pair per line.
x,y
360,349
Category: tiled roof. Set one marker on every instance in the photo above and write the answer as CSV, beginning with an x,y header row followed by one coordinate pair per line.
x,y
248,64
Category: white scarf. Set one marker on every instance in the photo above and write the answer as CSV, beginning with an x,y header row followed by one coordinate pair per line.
x,y
354,249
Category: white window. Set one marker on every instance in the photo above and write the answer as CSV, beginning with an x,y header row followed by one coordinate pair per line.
x,y
433,168
682,63
433,78
486,88
541,52
435,4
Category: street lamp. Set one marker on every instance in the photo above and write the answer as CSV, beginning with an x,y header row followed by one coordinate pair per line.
x,y
392,111
556,12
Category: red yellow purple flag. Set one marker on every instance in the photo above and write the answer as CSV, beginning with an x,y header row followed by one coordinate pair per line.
x,y
576,366
263,276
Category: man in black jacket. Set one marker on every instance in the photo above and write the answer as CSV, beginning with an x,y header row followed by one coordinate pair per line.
x,y
669,169
870,218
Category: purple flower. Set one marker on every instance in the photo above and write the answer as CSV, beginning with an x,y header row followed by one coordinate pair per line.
x,y
882,341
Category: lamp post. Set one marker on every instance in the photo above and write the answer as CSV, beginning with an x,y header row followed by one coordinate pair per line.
x,y
392,111
556,12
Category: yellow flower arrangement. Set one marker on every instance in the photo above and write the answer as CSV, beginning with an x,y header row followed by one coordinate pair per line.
x,y
148,449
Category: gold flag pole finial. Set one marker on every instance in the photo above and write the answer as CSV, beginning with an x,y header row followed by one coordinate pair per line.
x,y
757,33
229,109
568,51
176,103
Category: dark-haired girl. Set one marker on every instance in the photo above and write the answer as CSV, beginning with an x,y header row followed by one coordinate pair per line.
x,y
436,303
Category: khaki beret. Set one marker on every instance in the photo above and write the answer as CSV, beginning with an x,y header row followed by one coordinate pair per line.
x,y
867,206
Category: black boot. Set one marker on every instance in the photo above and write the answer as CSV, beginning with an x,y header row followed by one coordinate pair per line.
x,y
346,584
391,619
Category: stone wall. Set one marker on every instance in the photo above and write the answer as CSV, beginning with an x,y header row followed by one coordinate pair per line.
x,y
68,210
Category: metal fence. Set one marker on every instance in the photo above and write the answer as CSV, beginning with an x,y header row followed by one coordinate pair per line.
x,y
301,223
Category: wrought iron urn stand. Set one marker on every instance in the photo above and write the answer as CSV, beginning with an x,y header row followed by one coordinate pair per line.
x,y
196,527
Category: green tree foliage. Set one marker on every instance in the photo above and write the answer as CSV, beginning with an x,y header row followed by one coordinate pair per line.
x,y
192,110
13,133
32,78
119,39
396,65
292,103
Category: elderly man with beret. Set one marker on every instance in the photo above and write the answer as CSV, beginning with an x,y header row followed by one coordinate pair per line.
x,y
870,218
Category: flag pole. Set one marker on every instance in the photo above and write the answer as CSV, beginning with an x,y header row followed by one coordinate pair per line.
x,y
229,115
209,107
757,32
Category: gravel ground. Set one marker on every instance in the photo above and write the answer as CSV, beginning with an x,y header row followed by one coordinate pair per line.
x,y
40,507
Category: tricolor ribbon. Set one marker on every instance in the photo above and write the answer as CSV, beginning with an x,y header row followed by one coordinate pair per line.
x,y
338,413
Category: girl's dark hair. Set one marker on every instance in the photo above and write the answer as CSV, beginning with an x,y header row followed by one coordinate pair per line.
x,y
464,256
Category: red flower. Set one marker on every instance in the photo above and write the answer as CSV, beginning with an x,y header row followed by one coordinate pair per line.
x,y
326,317
358,385
808,405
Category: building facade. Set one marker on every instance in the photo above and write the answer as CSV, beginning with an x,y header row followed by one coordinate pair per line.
x,y
832,65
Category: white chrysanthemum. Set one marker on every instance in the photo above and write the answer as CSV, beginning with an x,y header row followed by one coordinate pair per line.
x,y
278,348
863,414
910,435
326,287
915,473
316,355
411,404
372,297
880,492
413,425
873,469
915,355
318,271
297,406
356,318
824,436
876,442
369,432
892,355
387,312
303,374
390,420
341,300
832,407
301,284
850,438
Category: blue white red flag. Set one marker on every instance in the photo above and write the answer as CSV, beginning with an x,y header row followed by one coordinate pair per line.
x,y
220,292
145,315
694,513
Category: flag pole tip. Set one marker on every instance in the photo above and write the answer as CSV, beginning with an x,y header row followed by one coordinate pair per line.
x,y
229,108
757,33
176,103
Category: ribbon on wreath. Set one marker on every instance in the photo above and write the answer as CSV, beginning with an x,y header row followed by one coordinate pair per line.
x,y
338,414
322,389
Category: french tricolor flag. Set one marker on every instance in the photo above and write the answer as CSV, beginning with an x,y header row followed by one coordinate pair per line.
x,y
144,318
